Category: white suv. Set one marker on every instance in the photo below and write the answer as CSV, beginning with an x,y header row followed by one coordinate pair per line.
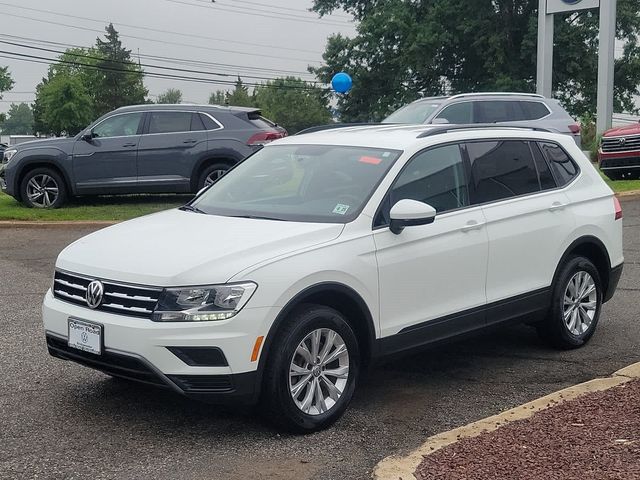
x,y
322,252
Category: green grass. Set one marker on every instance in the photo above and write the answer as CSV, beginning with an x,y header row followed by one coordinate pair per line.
x,y
619,186
93,208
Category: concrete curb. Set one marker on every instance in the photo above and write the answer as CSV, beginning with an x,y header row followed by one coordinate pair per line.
x,y
403,467
630,195
49,224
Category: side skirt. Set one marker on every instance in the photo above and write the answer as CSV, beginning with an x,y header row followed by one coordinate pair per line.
x,y
528,307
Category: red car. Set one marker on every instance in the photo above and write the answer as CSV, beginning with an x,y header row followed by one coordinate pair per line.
x,y
619,152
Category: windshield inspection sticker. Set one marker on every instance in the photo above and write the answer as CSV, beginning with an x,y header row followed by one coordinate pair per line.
x,y
341,209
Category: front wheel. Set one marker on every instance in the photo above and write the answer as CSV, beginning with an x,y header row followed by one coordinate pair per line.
x,y
576,304
43,188
312,373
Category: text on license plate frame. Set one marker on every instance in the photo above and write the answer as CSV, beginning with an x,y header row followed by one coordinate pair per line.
x,y
84,335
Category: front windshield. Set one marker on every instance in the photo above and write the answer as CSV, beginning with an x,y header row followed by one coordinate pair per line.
x,y
305,183
417,112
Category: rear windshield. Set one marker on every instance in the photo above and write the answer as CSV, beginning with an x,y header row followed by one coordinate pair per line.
x,y
260,122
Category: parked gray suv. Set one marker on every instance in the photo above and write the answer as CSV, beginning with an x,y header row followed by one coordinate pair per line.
x,y
137,149
528,109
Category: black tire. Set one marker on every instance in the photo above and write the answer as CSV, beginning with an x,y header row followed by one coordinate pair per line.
x,y
554,329
208,170
52,181
277,403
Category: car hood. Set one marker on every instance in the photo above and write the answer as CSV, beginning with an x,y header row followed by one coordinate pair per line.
x,y
59,142
176,248
633,129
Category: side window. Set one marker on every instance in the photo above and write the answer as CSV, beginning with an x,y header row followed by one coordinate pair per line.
x,y
502,169
492,111
208,123
436,177
196,123
546,178
563,167
534,110
458,113
118,126
169,122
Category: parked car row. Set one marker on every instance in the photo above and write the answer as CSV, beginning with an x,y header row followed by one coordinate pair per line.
x,y
137,149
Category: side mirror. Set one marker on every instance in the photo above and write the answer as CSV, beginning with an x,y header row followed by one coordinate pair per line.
x,y
440,121
87,136
407,213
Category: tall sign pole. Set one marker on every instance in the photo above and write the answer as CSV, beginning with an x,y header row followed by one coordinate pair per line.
x,y
545,51
606,50
606,60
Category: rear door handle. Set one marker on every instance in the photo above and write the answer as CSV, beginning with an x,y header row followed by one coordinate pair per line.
x,y
191,140
472,225
129,145
556,206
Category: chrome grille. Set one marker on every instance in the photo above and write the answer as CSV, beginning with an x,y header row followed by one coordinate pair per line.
x,y
120,298
621,144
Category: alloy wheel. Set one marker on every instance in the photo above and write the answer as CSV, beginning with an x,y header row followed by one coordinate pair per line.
x,y
213,176
319,371
580,303
42,190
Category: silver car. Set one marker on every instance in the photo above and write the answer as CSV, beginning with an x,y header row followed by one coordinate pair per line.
x,y
514,108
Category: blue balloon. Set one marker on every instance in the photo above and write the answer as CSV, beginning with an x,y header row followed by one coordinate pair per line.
x,y
341,82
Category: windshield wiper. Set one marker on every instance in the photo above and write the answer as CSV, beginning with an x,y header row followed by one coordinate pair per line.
x,y
259,217
191,208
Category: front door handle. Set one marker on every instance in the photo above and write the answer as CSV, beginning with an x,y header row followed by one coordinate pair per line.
x,y
129,145
191,140
472,225
556,206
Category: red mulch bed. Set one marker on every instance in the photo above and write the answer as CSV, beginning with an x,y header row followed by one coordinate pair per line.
x,y
594,437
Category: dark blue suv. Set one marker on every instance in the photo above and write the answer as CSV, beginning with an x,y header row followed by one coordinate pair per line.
x,y
137,149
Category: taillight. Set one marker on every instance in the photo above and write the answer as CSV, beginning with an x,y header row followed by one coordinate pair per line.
x,y
575,128
262,138
618,207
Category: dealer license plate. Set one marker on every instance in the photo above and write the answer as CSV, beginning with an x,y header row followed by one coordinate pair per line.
x,y
85,336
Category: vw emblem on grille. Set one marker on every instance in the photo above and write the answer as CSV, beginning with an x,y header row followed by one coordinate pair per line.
x,y
622,141
95,290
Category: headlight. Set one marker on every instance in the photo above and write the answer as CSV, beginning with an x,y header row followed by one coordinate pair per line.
x,y
202,304
8,154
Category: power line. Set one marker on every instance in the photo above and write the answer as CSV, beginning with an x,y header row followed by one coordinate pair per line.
x,y
164,42
167,76
134,64
182,61
281,8
229,8
157,30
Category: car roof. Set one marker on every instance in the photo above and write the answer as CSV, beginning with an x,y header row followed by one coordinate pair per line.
x,y
485,96
404,137
187,107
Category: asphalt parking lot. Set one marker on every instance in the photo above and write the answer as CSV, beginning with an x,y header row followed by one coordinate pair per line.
x,y
60,420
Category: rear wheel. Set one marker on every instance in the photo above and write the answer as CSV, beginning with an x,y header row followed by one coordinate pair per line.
x,y
576,304
312,373
212,173
43,188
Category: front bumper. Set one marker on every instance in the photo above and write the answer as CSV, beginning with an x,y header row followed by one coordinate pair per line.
x,y
619,162
142,350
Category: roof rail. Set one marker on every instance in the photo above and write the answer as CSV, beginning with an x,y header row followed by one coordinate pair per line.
x,y
333,126
496,94
440,129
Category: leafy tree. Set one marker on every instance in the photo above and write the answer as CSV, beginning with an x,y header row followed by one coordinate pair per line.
x,y
219,97
118,81
172,96
405,49
19,120
6,82
64,105
239,97
293,103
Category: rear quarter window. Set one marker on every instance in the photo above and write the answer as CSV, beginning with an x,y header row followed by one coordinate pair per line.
x,y
562,165
533,110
